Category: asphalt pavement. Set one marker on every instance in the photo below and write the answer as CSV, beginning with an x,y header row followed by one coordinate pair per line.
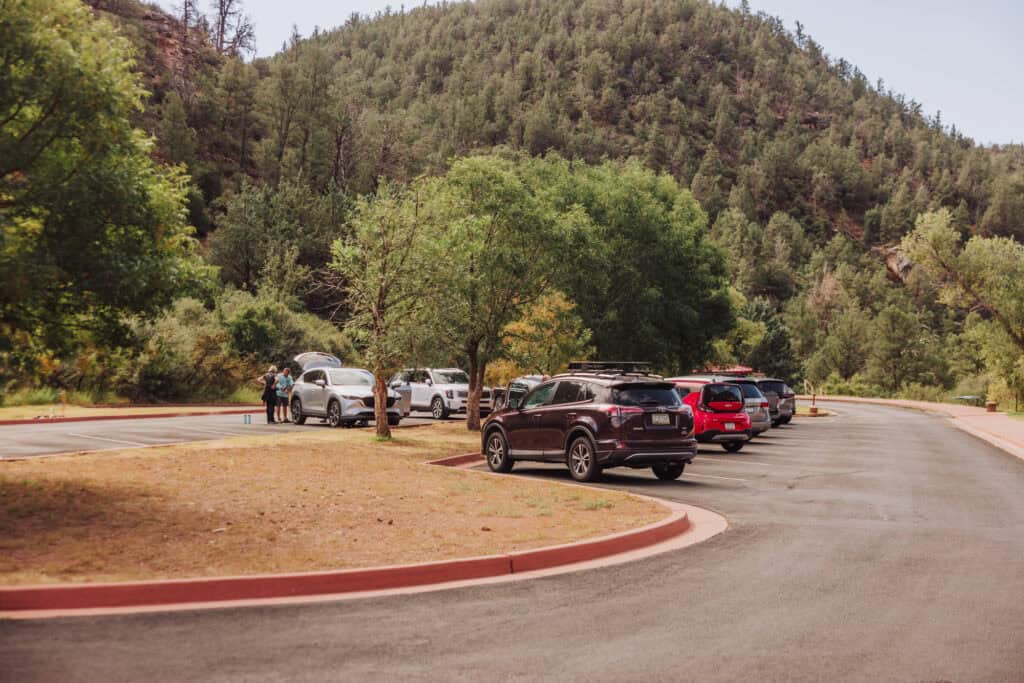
x,y
49,438
880,544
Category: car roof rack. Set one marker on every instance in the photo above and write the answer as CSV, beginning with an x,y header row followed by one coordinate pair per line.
x,y
611,369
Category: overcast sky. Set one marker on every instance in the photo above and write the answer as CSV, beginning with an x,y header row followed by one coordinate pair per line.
x,y
962,58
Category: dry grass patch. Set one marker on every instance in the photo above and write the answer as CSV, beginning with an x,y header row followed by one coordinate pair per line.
x,y
321,500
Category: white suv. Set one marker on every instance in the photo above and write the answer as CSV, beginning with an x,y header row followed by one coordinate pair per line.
x,y
442,391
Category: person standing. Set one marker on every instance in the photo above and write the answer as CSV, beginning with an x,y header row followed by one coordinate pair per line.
x,y
269,382
284,392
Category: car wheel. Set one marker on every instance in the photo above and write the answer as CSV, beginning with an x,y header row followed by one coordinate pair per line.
x,y
496,452
776,423
393,420
582,460
733,446
438,409
667,471
297,416
334,414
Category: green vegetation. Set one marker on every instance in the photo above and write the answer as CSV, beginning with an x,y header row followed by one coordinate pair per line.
x,y
693,184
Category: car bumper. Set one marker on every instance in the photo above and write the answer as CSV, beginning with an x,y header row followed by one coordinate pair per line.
x,y
715,436
364,413
460,405
626,454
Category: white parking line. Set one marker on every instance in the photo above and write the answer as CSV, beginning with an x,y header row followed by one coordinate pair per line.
x,y
102,438
711,476
203,430
734,462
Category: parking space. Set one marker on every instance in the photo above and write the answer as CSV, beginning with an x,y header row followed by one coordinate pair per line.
x,y
19,441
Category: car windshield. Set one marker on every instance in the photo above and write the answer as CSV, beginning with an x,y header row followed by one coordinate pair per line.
x,y
646,395
715,393
352,377
451,377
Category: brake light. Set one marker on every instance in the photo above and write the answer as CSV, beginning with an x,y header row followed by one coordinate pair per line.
x,y
764,404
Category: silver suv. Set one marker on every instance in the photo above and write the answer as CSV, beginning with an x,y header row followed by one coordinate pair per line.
x,y
340,396
442,391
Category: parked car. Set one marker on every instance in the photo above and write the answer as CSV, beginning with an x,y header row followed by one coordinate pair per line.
x,y
442,391
340,396
785,404
514,391
718,412
756,403
596,416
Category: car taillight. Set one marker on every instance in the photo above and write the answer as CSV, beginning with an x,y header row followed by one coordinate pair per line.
x,y
619,414
764,404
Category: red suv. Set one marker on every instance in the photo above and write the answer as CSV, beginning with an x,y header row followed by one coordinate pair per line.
x,y
597,415
718,412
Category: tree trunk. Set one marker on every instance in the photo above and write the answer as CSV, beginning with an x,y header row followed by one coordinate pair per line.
x,y
380,404
476,373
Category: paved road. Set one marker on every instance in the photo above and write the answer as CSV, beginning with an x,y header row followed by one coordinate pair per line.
x,y
19,441
881,545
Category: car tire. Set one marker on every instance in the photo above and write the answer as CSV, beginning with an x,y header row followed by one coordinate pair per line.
x,y
393,420
734,446
667,471
334,414
496,452
582,459
438,409
297,416
776,423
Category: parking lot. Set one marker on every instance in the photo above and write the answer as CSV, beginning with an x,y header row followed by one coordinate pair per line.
x,y
20,441
880,544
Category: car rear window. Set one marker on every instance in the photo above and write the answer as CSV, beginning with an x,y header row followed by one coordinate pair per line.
x,y
722,392
749,390
778,387
645,395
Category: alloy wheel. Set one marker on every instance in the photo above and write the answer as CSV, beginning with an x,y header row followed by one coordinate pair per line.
x,y
495,451
334,414
579,458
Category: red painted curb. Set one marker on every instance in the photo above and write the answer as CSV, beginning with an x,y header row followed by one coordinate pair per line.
x,y
142,593
456,460
545,558
93,418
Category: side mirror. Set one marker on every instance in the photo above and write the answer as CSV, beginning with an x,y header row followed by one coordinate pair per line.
x,y
429,382
321,383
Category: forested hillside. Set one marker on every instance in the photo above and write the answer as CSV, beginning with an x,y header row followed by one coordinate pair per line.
x,y
809,174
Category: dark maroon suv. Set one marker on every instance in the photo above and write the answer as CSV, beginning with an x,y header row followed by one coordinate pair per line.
x,y
595,416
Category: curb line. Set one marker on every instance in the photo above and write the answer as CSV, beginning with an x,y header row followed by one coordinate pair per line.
x,y
94,418
175,592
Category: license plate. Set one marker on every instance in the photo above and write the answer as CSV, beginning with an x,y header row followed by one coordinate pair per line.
x,y
730,426
661,419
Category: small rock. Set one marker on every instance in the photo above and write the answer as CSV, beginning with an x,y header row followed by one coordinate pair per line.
x,y
219,530
485,528
390,522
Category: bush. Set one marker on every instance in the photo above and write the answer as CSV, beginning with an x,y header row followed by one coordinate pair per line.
x,y
855,386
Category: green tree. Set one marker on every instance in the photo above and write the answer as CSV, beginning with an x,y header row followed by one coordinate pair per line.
x,y
386,265
502,245
93,229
